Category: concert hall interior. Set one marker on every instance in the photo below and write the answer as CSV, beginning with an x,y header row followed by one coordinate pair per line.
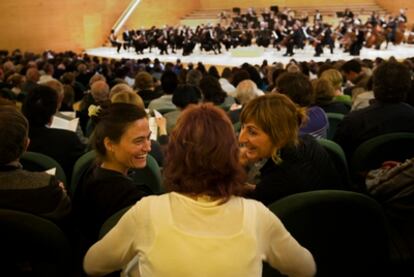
x,y
214,138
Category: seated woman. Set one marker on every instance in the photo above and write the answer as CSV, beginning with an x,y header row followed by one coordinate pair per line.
x,y
202,225
325,97
299,89
62,145
33,192
121,140
183,96
285,162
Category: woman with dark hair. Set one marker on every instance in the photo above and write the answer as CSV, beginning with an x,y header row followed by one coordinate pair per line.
x,y
64,146
121,140
183,96
212,92
202,225
287,162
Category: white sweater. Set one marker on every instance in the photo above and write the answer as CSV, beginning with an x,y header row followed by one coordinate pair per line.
x,y
174,235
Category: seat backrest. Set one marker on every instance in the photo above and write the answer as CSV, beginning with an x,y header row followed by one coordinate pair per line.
x,y
345,231
112,221
338,157
80,167
33,161
373,152
334,119
32,246
149,175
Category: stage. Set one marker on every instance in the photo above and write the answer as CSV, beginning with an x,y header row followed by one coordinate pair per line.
x,y
255,55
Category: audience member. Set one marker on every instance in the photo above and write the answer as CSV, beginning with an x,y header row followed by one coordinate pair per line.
x,y
121,141
62,145
144,83
389,113
299,88
246,90
205,180
34,192
169,82
285,162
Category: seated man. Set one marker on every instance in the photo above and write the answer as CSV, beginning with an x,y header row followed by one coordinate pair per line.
x,y
388,114
33,192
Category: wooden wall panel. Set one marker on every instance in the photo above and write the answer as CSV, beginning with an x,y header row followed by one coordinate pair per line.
x,y
395,5
161,12
61,25
215,4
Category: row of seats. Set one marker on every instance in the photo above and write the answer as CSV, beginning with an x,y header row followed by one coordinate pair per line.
x,y
332,224
347,233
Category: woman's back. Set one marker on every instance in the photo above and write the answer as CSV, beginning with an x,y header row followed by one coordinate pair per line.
x,y
175,235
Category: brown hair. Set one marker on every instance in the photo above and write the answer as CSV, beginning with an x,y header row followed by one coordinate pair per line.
x,y
203,154
13,134
278,117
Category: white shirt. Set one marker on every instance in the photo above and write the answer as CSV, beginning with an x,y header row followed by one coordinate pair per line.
x,y
174,235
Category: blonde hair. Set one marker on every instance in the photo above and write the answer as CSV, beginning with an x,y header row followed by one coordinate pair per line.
x,y
278,117
334,77
120,88
129,98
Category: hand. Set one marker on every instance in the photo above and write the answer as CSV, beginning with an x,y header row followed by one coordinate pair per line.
x,y
62,186
162,125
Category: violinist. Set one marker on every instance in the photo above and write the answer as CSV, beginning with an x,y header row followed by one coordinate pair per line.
x,y
114,41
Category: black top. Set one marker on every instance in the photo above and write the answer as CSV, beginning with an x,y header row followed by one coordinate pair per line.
x,y
33,192
306,167
335,107
62,145
102,193
374,120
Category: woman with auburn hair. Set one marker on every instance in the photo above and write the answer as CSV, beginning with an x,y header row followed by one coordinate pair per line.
x,y
202,227
271,147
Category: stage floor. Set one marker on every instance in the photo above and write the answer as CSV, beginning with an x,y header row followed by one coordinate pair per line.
x,y
271,55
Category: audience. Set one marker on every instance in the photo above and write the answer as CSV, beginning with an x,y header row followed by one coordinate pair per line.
x,y
389,113
205,180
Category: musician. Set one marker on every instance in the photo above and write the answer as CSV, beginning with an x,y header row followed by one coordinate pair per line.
x,y
293,37
114,41
127,38
356,46
402,17
327,38
317,37
317,17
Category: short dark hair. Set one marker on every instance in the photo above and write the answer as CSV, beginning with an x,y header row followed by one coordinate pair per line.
x,y
211,90
169,82
40,105
13,134
185,95
112,122
203,154
391,82
351,65
297,87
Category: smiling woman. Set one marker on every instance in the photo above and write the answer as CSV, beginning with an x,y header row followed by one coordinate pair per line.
x,y
122,141
270,143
